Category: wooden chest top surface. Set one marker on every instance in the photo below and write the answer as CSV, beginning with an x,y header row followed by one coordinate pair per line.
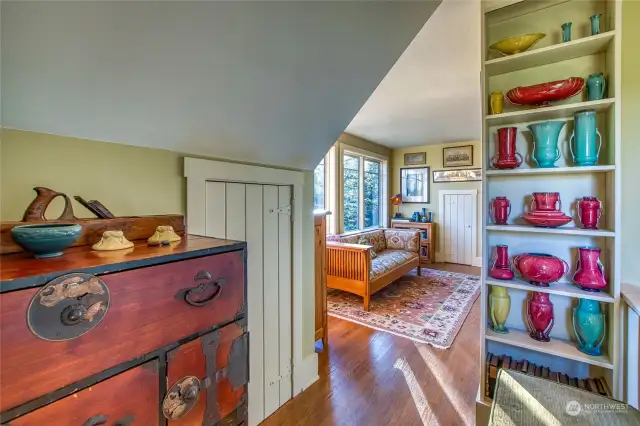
x,y
21,270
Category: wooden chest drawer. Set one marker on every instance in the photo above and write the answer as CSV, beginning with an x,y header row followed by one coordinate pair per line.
x,y
219,360
148,309
128,399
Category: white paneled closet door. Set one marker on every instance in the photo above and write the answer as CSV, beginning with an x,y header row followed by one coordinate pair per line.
x,y
458,225
261,216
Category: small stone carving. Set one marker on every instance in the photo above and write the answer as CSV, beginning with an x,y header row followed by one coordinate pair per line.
x,y
112,240
162,234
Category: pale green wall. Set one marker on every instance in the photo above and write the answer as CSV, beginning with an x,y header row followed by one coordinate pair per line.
x,y
630,141
434,161
128,180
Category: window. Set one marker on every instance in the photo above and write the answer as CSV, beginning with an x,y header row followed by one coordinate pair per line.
x,y
371,193
319,187
351,193
362,191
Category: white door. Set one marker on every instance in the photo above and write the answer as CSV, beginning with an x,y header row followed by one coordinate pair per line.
x,y
458,227
261,216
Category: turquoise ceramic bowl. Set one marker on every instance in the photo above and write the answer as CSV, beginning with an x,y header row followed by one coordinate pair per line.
x,y
46,240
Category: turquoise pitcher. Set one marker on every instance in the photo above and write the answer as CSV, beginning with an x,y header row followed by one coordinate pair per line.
x,y
588,324
545,142
584,152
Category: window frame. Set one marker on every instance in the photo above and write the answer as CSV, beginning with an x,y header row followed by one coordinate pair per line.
x,y
383,162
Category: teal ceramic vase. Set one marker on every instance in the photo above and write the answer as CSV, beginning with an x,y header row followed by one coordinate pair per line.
x,y
595,24
582,142
595,87
588,324
545,142
566,32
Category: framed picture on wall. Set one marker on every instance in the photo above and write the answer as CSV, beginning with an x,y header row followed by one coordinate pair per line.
x,y
414,185
463,175
415,159
457,156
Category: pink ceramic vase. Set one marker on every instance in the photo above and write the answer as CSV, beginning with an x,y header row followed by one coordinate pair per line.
x,y
589,212
540,269
499,210
501,267
540,316
589,273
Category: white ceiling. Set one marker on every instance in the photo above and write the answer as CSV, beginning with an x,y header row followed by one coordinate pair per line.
x,y
432,94
263,82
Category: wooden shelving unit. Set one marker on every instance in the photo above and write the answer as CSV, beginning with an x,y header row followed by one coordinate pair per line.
x,y
427,243
551,60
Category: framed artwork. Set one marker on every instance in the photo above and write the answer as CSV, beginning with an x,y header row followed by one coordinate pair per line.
x,y
464,175
415,159
457,156
414,185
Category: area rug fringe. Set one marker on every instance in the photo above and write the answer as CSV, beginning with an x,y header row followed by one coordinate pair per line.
x,y
435,345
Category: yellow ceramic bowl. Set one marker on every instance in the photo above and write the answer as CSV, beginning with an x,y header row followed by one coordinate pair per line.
x,y
517,44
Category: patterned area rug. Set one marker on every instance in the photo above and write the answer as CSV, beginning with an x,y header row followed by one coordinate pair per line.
x,y
428,309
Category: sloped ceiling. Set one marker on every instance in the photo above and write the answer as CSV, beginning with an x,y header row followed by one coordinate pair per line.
x,y
263,82
432,93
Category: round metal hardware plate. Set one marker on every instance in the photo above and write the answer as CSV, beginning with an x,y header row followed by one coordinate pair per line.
x,y
68,307
181,397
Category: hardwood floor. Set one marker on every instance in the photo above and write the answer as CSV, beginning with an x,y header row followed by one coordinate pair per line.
x,y
373,378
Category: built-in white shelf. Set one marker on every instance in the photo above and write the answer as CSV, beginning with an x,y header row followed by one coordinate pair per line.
x,y
548,55
559,288
558,347
550,171
547,113
563,230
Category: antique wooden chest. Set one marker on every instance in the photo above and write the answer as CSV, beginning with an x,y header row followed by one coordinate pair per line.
x,y
142,336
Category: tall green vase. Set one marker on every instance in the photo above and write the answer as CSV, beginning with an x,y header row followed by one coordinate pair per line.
x,y
499,307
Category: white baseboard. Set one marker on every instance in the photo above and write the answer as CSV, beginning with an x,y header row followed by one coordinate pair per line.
x,y
305,373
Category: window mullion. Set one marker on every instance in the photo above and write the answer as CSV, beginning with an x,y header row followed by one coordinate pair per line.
x,y
361,193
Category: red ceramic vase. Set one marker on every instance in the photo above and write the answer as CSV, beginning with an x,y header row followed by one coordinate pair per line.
x,y
540,269
589,273
540,316
546,201
589,212
499,210
506,156
501,267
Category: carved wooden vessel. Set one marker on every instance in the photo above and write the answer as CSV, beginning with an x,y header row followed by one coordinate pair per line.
x,y
156,336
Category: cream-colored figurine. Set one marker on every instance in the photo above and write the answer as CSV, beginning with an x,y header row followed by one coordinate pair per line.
x,y
112,240
163,233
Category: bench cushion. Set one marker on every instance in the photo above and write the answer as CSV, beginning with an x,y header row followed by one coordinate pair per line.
x,y
388,260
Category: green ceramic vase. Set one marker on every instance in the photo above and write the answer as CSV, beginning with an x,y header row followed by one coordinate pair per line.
x,y
499,306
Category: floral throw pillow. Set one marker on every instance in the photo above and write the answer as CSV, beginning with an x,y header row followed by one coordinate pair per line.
x,y
364,240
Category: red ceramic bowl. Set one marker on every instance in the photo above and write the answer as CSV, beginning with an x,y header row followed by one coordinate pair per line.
x,y
540,269
542,94
547,221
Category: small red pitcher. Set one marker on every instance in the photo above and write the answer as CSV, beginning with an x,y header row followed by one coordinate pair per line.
x,y
540,316
589,212
506,156
546,201
499,210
